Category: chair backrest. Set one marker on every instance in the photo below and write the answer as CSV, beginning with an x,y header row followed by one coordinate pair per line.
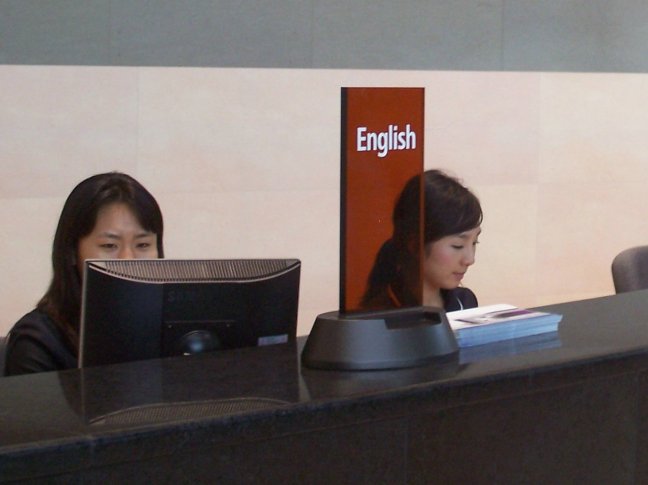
x,y
3,348
630,269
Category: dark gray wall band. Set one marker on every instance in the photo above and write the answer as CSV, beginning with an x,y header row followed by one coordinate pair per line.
x,y
518,35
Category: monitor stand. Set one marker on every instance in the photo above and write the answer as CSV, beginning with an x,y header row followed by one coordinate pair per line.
x,y
388,339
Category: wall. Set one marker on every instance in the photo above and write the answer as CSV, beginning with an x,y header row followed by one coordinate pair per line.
x,y
230,115
500,35
245,163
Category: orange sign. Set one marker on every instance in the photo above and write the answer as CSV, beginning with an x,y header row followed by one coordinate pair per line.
x,y
382,149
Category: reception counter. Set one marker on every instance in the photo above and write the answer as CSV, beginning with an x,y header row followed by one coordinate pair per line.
x,y
564,407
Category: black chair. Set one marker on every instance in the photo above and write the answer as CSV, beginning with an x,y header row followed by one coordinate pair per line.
x,y
630,269
3,348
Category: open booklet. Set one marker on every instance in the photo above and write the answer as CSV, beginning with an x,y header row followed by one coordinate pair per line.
x,y
482,325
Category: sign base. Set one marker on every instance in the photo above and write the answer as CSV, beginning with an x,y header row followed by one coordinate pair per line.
x,y
388,339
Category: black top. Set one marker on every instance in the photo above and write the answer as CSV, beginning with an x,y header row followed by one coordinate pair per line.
x,y
458,299
35,344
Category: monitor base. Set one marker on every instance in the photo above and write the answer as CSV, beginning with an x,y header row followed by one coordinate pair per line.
x,y
389,339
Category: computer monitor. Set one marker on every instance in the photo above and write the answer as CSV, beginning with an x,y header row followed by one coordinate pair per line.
x,y
151,308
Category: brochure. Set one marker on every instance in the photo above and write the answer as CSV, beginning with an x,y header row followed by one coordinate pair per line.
x,y
482,325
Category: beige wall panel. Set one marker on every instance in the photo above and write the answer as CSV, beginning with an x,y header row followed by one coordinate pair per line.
x,y
581,227
28,226
60,124
245,163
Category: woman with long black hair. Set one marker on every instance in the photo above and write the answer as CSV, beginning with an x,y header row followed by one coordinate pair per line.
x,y
106,216
452,219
